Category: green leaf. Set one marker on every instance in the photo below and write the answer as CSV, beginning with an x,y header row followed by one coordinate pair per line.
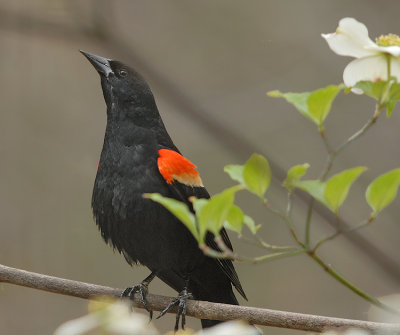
x,y
372,89
395,92
394,97
383,190
249,222
314,105
320,102
235,172
389,108
179,209
298,100
235,219
198,203
294,174
315,188
257,175
338,186
377,91
213,214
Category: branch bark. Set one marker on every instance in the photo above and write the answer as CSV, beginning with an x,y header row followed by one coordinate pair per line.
x,y
198,309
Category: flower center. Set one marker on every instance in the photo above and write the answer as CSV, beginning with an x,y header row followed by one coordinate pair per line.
x,y
388,40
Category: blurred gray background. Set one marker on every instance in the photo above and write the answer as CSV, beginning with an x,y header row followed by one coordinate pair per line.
x,y
209,64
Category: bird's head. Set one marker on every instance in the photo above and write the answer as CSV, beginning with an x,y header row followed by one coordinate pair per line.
x,y
122,86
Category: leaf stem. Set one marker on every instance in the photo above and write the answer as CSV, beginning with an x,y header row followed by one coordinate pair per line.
x,y
350,285
325,140
214,253
288,222
262,244
277,255
330,160
364,128
362,224
326,239
308,222
289,206
338,232
227,253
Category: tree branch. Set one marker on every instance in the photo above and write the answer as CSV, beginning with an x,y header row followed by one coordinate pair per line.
x,y
198,309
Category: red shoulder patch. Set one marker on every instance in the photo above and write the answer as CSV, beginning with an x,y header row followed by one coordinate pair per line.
x,y
174,167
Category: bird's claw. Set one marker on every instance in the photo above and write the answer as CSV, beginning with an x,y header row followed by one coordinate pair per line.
x,y
181,302
142,289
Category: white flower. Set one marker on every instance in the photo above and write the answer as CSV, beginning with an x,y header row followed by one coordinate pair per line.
x,y
351,39
111,319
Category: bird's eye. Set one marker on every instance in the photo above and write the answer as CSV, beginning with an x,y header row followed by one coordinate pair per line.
x,y
123,73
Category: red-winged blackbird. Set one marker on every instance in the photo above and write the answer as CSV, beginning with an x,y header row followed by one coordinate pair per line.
x,y
139,157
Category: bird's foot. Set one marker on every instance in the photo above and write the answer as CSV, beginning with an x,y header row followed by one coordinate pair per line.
x,y
181,302
143,290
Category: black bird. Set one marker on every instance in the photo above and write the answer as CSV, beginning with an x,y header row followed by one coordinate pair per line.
x,y
139,157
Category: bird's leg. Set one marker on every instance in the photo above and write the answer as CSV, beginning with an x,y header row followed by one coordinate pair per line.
x,y
181,302
142,289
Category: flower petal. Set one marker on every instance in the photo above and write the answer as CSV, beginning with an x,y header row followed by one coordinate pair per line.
x,y
371,68
351,39
394,50
395,68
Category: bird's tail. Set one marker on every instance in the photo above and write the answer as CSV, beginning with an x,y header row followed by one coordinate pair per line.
x,y
209,323
223,295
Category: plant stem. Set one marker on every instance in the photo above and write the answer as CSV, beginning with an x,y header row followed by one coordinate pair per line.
x,y
331,157
325,140
289,206
308,222
332,236
277,255
351,286
360,132
227,253
214,253
262,244
326,239
362,224
329,164
288,222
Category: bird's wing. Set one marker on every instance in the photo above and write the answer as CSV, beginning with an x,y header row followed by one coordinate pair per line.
x,y
184,181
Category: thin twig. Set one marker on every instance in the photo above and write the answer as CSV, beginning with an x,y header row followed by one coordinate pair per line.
x,y
325,140
278,255
258,242
362,131
198,309
289,205
339,232
330,160
288,222
227,253
216,254
308,222
326,239
350,285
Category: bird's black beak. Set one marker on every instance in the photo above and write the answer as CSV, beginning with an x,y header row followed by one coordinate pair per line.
x,y
101,64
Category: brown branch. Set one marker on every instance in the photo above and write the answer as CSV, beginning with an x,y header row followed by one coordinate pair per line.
x,y
198,309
